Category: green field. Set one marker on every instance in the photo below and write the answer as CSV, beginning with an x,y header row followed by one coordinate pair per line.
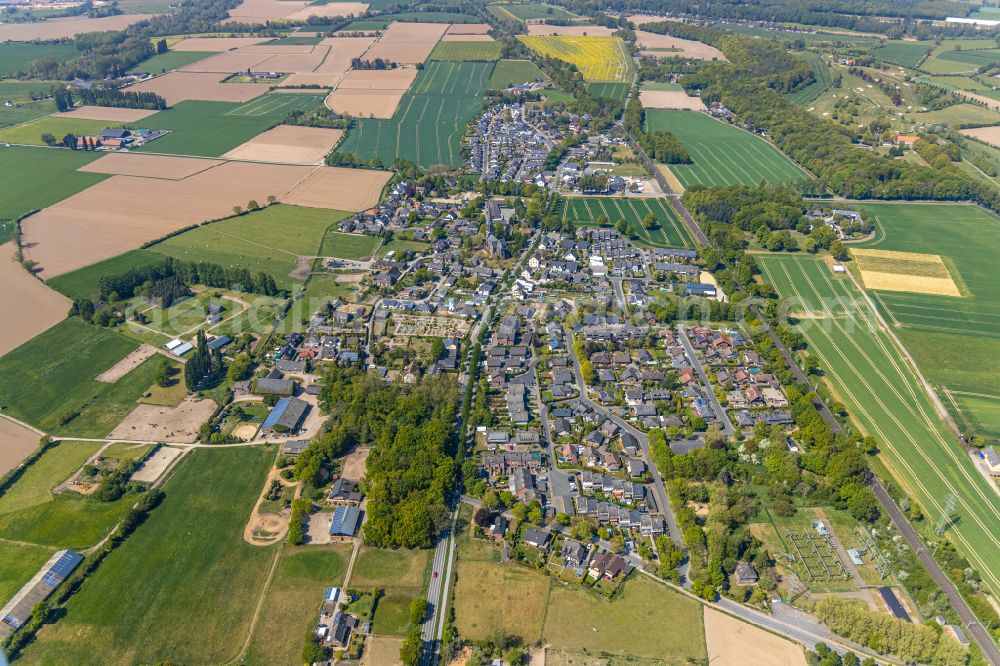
x,y
428,126
23,112
169,61
47,379
467,51
959,115
83,283
869,374
973,59
30,513
618,91
14,57
20,563
672,232
811,93
21,91
210,129
535,10
955,341
511,72
31,133
657,85
347,246
291,605
402,574
185,581
38,177
267,240
907,54
722,154
582,622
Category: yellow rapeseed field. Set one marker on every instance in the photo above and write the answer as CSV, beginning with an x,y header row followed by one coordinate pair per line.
x,y
597,58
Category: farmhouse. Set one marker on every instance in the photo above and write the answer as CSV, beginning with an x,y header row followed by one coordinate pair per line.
x,y
55,571
286,416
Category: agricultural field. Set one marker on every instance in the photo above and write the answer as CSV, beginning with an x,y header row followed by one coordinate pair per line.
x,y
15,57
722,154
402,574
428,126
672,232
169,61
579,621
955,340
20,563
23,112
905,53
185,580
618,91
511,72
292,599
84,282
869,374
49,379
959,115
811,93
210,129
597,58
953,56
477,51
31,513
535,10
31,133
268,240
347,246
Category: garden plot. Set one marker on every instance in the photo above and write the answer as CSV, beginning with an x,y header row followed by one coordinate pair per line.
x,y
149,166
670,99
430,327
158,423
215,44
181,86
107,113
917,273
16,444
85,229
33,307
407,43
289,144
663,46
64,28
341,189
732,642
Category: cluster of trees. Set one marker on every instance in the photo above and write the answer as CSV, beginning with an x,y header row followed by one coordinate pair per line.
x,y
296,531
377,63
913,643
139,281
318,117
824,656
660,145
114,483
204,366
411,470
125,99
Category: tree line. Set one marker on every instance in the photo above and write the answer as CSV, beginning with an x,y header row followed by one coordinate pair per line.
x,y
127,283
660,145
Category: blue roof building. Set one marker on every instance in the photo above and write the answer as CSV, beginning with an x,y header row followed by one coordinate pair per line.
x,y
346,520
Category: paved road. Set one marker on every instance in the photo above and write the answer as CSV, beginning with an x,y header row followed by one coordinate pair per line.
x,y
968,618
620,294
727,425
800,377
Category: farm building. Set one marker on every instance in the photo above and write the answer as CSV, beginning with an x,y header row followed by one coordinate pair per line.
x,y
55,571
286,416
271,386
346,520
294,447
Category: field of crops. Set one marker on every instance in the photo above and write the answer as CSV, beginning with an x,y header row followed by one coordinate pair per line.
x,y
811,93
882,393
722,154
954,340
511,72
597,58
907,54
169,61
38,177
671,232
14,57
428,126
618,91
535,10
468,51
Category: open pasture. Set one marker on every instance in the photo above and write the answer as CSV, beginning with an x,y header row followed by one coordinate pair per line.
x,y
83,283
58,126
37,177
580,621
34,306
347,246
722,154
511,72
269,240
671,231
23,112
428,126
468,50
14,58
905,53
82,229
491,596
185,580
407,43
597,58
161,63
884,396
212,128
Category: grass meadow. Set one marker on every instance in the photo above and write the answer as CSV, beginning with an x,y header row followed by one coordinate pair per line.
x,y
169,61
823,81
618,91
537,10
511,72
14,57
954,340
292,601
31,133
38,177
25,112
467,51
722,154
597,58
20,563
209,129
347,246
402,575
899,52
430,121
185,581
84,282
869,374
266,240
672,232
